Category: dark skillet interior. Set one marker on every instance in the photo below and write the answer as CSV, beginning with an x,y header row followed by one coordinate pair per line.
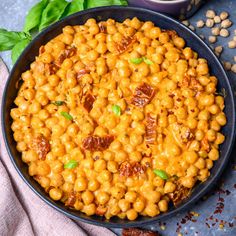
x,y
119,14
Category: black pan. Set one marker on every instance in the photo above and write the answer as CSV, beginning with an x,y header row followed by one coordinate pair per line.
x,y
119,14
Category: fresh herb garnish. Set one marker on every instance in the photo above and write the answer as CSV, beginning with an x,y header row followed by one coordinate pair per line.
x,y
41,15
116,110
58,103
71,164
136,61
67,115
161,173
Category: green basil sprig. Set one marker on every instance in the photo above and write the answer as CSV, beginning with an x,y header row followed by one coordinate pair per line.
x,y
116,110
161,173
33,18
137,60
67,115
73,7
100,3
8,39
41,15
18,49
52,13
71,164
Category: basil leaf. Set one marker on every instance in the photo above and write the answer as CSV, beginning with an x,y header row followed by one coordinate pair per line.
x,y
71,164
161,173
147,61
73,7
67,115
8,39
33,17
52,12
18,49
136,60
100,3
58,103
116,109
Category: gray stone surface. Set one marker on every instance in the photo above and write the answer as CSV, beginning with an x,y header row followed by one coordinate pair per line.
x,y
12,14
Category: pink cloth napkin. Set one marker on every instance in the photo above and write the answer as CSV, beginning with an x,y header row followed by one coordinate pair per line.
x,y
22,213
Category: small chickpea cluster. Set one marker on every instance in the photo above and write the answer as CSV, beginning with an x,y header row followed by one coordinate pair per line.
x,y
81,86
219,25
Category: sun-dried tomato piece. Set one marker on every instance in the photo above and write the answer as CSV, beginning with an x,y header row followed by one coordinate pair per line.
x,y
151,125
179,194
101,210
192,83
125,44
68,52
138,169
82,72
51,69
41,146
143,94
88,102
71,199
96,143
128,169
139,232
172,33
205,144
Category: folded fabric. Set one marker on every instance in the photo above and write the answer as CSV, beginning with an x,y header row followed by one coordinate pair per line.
x,y
24,213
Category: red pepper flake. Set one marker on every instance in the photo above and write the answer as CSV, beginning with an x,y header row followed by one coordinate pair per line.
x,y
234,185
96,143
139,232
143,95
207,225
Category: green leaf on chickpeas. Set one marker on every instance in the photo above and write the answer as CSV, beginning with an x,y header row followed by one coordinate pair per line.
x,y
161,173
58,103
67,115
136,61
71,164
147,61
116,110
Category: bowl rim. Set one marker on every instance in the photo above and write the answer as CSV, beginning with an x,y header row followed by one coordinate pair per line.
x,y
106,223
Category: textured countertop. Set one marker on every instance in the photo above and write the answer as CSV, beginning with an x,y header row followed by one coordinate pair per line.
x,y
222,199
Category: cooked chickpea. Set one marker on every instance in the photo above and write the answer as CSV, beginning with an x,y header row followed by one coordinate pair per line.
x,y
55,194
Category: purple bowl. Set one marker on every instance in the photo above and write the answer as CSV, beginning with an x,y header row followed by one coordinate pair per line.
x,y
178,8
